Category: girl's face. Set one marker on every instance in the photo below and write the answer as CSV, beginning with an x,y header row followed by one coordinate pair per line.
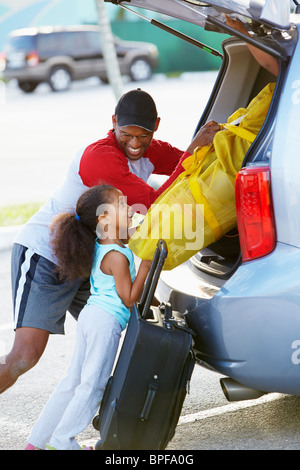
x,y
120,215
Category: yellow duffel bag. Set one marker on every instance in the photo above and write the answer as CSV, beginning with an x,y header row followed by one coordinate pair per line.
x,y
199,207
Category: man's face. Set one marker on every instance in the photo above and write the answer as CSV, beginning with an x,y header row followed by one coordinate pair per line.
x,y
133,140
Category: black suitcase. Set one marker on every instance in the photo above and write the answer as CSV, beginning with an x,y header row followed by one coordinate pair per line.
x,y
144,397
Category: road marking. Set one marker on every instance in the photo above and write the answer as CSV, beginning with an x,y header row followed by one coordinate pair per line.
x,y
191,418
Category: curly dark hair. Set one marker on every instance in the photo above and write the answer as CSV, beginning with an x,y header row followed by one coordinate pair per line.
x,y
73,235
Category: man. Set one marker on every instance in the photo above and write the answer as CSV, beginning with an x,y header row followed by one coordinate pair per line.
x,y
129,154
124,159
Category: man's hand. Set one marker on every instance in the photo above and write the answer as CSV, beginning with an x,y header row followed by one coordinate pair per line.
x,y
204,136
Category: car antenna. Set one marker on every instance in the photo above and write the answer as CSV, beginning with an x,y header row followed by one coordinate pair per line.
x,y
176,33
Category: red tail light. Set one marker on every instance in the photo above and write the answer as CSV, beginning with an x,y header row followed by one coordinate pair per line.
x,y
32,59
255,215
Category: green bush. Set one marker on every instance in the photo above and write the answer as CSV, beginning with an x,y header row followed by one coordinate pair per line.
x,y
17,214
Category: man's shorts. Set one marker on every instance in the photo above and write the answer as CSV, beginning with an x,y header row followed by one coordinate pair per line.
x,y
40,298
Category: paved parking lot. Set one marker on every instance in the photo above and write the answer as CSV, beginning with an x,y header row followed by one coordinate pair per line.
x,y
39,135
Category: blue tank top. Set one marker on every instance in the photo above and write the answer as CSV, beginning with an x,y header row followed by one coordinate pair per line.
x,y
103,288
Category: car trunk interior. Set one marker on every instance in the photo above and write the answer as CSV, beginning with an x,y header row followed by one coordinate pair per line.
x,y
239,81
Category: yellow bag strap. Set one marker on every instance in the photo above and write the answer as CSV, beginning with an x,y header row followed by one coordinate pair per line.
x,y
240,131
193,170
201,199
193,165
194,161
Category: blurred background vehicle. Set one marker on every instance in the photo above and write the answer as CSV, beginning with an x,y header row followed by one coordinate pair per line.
x,y
175,56
59,55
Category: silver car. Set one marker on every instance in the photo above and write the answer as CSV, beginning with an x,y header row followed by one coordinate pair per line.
x,y
59,55
241,295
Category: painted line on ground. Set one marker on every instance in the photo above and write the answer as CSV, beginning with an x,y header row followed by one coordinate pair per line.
x,y
191,418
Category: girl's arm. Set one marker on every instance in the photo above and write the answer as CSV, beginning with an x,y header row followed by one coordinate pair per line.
x,y
117,265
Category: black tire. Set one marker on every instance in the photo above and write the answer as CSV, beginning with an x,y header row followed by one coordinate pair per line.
x,y
104,80
140,69
27,86
60,79
96,422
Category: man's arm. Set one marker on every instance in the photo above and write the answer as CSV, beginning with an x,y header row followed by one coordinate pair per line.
x,y
105,164
204,136
263,58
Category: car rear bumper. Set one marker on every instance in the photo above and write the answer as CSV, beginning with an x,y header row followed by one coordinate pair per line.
x,y
34,74
250,329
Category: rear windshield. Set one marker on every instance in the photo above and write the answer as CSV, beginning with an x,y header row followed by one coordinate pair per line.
x,y
20,43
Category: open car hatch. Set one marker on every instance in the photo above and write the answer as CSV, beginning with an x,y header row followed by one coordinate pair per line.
x,y
266,20
275,13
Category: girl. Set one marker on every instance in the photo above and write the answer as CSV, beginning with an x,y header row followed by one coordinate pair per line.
x,y
114,289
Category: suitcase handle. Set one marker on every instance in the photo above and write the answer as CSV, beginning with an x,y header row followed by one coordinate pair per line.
x,y
159,257
153,387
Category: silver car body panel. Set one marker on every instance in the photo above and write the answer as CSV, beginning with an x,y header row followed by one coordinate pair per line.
x,y
285,168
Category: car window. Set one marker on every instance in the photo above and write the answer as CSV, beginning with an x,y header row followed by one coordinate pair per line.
x,y
93,40
73,43
24,43
49,44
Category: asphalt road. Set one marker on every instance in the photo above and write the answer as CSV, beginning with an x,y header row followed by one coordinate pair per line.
x,y
39,135
42,131
208,421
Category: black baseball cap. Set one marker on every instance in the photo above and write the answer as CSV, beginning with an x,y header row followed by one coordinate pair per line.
x,y
136,108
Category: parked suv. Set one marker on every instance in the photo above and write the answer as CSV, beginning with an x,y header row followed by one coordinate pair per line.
x,y
241,295
59,55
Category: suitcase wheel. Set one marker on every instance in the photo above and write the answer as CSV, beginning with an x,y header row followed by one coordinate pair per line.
x,y
96,422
